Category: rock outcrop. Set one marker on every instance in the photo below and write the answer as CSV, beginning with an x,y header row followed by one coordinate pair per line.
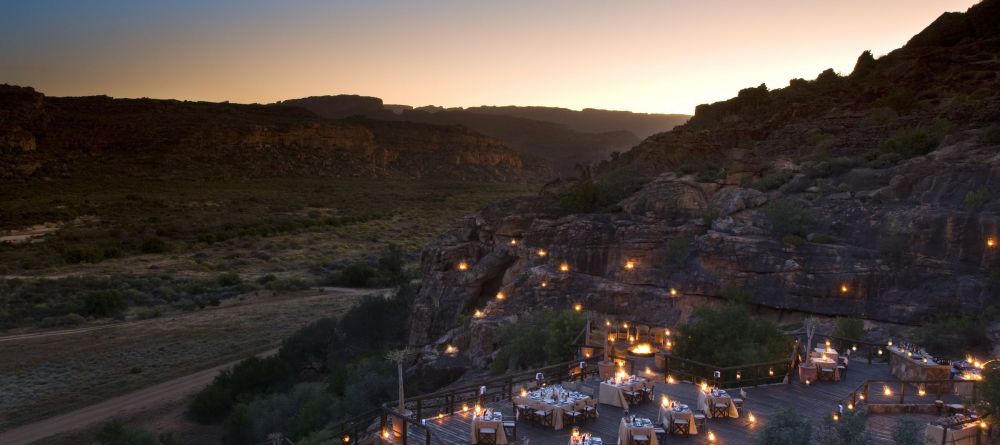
x,y
871,195
57,137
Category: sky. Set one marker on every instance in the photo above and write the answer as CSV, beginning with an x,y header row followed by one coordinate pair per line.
x,y
664,56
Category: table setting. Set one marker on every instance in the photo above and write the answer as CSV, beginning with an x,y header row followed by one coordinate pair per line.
x,y
678,411
556,398
489,419
612,391
709,398
636,426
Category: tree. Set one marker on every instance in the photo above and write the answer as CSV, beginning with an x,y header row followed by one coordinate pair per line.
x,y
849,328
989,390
810,325
399,357
908,432
787,427
728,336
849,429
117,433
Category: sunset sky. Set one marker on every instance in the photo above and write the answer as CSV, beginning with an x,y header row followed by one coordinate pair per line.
x,y
650,56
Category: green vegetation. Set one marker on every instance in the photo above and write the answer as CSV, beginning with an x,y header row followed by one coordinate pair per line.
x,y
992,135
772,180
900,100
117,433
386,271
728,336
786,427
908,431
850,328
910,142
593,191
544,337
848,430
989,392
117,217
877,117
305,387
793,240
976,199
788,217
65,301
954,336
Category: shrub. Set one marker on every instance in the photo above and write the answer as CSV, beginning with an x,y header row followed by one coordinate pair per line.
x,y
244,380
945,336
287,285
880,116
787,427
266,279
910,142
228,279
356,275
543,337
70,319
883,160
849,430
850,328
773,180
106,303
900,100
976,199
581,196
793,240
992,135
238,427
907,431
728,336
788,217
153,245
116,433
823,238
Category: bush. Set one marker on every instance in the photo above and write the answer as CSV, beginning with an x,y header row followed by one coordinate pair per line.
x,y
728,336
907,431
953,336
992,135
850,328
116,433
787,427
153,245
793,240
788,217
773,180
880,116
107,303
287,285
900,100
832,167
356,275
228,279
238,427
64,320
976,199
910,142
823,238
544,337
849,430
677,252
581,196
244,380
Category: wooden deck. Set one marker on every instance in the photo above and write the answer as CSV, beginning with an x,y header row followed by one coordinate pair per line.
x,y
816,401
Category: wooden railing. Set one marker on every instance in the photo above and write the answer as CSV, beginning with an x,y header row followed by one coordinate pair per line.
x,y
903,391
730,376
871,352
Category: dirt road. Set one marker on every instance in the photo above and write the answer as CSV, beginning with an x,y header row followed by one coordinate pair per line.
x,y
115,407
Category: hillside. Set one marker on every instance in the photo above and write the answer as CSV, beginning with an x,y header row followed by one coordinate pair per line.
x,y
62,137
871,195
565,138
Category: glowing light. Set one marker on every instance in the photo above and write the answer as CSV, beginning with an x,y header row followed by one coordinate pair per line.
x,y
843,288
982,424
664,401
545,284
836,417
542,252
854,348
630,264
642,348
673,292
524,392
770,372
670,344
889,343
625,325
879,351
861,396
711,436
578,307
513,241
751,418
463,266
670,380
500,296
808,382
478,314
465,407
648,371
666,332
564,267
607,322
385,434
346,439
828,344
477,409
887,390
704,386
738,375
921,392
440,415
451,349
990,242
850,406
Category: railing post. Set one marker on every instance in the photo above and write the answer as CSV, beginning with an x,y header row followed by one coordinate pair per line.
x,y
902,392
419,411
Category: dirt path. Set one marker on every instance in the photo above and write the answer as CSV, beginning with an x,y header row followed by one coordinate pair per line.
x,y
120,406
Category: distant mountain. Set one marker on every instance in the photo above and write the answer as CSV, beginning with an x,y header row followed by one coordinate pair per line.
x,y
52,137
563,137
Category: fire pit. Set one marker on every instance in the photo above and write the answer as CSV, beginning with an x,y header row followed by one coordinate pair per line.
x,y
643,350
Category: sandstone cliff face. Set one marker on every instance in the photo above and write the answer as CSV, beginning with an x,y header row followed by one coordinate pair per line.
x,y
900,239
99,135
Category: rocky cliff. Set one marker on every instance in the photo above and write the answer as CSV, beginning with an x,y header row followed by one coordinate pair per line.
x,y
59,137
872,194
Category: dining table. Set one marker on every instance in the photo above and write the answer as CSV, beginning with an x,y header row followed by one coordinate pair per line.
x,y
494,422
613,392
707,400
679,412
627,430
827,363
538,401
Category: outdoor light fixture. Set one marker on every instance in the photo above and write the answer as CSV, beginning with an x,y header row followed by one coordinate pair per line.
x,y
500,296
990,242
578,307
463,266
843,288
564,267
513,241
630,264
542,252
673,292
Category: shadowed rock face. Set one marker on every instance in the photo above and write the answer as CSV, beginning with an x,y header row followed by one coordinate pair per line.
x,y
56,137
896,241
